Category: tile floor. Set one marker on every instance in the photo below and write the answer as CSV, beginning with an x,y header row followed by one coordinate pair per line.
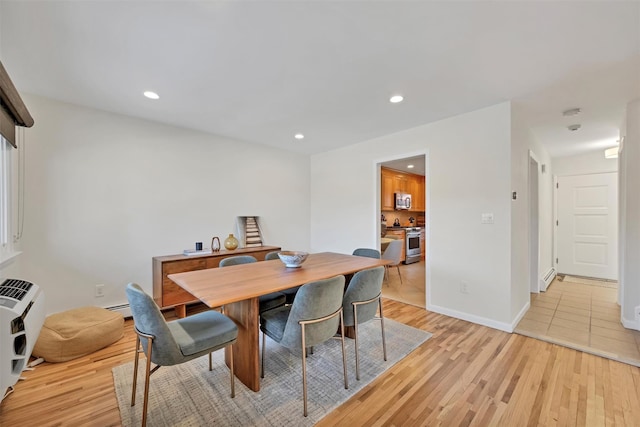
x,y
582,316
412,289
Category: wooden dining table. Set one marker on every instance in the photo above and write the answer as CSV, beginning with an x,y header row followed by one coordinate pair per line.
x,y
237,288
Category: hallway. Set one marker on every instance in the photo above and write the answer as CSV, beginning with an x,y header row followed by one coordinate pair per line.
x,y
582,314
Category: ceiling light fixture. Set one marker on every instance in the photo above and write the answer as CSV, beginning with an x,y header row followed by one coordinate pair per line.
x,y
611,153
574,128
410,166
151,95
298,136
395,99
571,112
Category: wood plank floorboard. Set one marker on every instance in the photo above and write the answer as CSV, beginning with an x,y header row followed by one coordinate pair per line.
x,y
465,375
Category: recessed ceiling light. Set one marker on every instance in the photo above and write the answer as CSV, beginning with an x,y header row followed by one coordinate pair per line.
x,y
395,99
573,128
571,112
410,166
298,136
151,95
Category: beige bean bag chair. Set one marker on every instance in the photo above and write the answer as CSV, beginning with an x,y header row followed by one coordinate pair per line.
x,y
78,332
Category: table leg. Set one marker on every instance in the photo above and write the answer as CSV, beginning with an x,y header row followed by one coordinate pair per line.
x,y
246,350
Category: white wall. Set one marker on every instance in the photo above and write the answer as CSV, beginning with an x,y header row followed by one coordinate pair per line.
x,y
545,188
522,141
106,193
468,173
582,164
630,218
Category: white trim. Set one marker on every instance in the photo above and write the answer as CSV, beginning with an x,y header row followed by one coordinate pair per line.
x,y
534,270
554,227
377,164
123,309
502,326
520,315
631,324
8,258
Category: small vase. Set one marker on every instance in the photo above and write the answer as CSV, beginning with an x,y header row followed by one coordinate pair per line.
x,y
231,242
215,244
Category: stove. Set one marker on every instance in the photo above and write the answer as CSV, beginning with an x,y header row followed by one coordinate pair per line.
x,y
413,248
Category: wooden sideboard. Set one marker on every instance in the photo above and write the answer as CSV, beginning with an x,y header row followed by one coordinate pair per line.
x,y
167,294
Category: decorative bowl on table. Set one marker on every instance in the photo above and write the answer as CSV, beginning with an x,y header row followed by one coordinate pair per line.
x,y
293,258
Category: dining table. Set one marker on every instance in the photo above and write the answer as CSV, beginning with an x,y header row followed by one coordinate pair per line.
x,y
237,288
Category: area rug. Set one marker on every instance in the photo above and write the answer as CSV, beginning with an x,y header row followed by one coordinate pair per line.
x,y
591,282
191,395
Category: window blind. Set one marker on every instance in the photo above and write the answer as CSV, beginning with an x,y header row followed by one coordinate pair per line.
x,y
13,112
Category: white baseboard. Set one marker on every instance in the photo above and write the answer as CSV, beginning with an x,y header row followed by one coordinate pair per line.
x,y
631,324
502,326
123,309
520,315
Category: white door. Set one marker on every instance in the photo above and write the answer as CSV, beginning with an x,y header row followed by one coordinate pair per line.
x,y
587,229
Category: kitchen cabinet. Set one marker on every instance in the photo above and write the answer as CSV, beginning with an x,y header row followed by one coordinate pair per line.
x,y
401,183
392,182
423,245
417,193
167,294
386,190
398,234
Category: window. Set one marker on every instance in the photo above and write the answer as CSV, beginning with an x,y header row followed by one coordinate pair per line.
x,y
6,245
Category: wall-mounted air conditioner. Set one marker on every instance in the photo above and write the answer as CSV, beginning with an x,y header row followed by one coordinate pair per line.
x,y
21,317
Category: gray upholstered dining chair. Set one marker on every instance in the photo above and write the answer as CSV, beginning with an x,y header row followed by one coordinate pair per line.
x,y
393,253
171,343
361,302
290,294
313,318
268,301
367,252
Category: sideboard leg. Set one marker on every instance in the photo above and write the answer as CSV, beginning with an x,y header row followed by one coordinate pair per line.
x,y
181,310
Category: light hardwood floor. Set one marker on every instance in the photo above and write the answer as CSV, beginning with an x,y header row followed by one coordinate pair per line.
x,y
465,374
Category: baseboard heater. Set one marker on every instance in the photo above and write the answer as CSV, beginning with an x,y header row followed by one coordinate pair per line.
x,y
123,309
548,278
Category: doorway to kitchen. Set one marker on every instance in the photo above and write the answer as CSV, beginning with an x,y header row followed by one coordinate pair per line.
x,y
402,211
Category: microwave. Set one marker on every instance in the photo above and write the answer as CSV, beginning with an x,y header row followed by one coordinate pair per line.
x,y
402,201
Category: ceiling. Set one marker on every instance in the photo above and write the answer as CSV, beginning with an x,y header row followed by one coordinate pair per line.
x,y
263,71
415,165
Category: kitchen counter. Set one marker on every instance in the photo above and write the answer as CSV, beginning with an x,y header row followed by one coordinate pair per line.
x,y
384,242
403,227
396,233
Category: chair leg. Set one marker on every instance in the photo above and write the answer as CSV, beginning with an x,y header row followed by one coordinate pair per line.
x,y
135,370
355,338
304,372
399,275
384,342
233,376
146,382
386,273
344,354
263,345
210,364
